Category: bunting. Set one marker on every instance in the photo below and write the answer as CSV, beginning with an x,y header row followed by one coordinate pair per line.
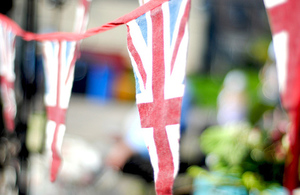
x,y
157,44
59,63
59,59
285,22
29,36
7,75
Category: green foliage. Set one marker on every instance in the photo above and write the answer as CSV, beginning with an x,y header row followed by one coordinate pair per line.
x,y
243,152
217,178
206,88
221,141
247,151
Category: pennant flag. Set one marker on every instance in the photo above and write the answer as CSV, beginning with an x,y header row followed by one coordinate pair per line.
x,y
81,20
59,63
157,44
285,22
82,16
59,60
7,75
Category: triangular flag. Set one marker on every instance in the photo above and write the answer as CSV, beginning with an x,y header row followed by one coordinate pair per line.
x,y
59,64
7,75
157,44
285,22
59,60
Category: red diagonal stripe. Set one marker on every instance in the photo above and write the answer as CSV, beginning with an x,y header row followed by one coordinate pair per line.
x,y
72,65
136,57
181,32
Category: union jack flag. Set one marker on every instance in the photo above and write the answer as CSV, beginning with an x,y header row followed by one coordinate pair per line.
x,y
82,16
157,44
285,24
7,75
59,63
59,60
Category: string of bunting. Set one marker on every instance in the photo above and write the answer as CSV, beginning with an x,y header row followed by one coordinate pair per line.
x,y
157,43
68,36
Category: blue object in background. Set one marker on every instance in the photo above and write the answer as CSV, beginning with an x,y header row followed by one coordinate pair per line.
x,y
99,82
202,186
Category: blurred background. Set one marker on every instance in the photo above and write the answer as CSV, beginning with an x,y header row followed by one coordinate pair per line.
x,y
233,128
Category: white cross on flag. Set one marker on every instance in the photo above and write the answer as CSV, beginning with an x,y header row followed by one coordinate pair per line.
x,y
157,44
7,75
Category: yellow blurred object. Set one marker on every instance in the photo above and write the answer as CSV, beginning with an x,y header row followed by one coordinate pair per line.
x,y
124,88
36,132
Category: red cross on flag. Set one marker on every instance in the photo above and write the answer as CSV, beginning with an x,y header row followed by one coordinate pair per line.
x,y
7,75
157,44
284,20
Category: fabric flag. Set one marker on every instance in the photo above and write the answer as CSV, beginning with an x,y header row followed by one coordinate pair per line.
x,y
7,75
157,44
59,63
81,20
82,16
59,60
284,20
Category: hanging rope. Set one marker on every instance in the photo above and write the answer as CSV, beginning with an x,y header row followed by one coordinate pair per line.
x,y
28,36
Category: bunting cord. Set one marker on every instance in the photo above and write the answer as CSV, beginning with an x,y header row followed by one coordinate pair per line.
x,y
29,36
